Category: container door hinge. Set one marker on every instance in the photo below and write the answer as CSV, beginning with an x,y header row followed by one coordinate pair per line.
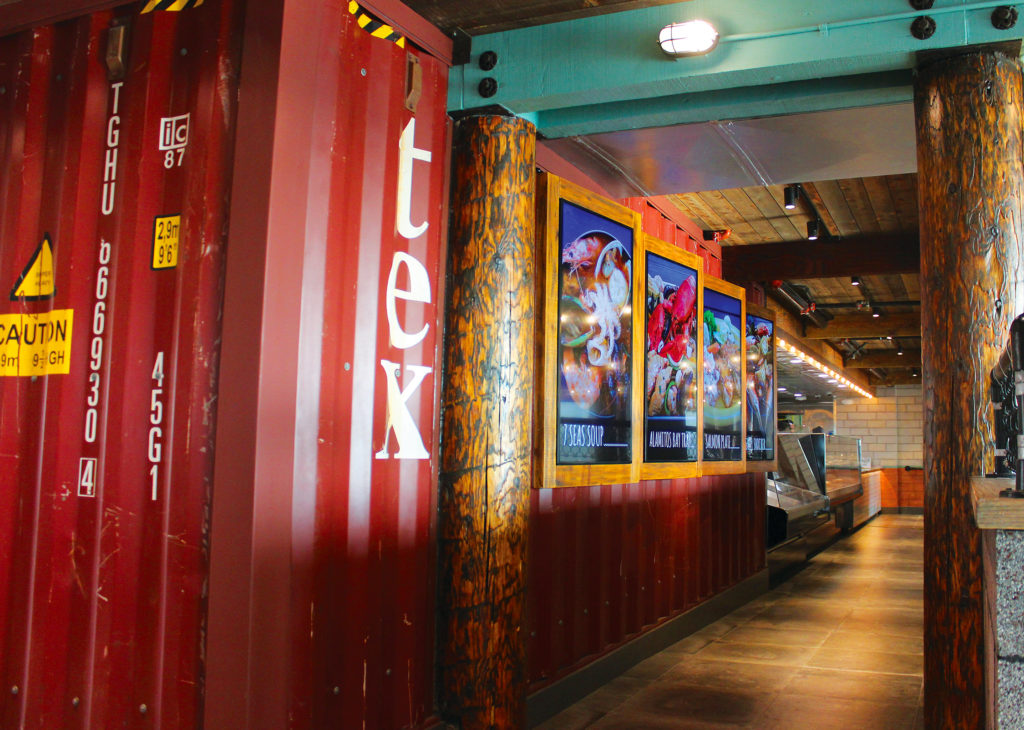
x,y
413,82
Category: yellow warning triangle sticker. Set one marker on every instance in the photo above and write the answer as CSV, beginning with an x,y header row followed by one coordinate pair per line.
x,y
36,281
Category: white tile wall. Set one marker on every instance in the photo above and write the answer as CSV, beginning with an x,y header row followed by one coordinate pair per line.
x,y
889,426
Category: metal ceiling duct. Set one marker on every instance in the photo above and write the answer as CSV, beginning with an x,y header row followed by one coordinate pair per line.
x,y
797,300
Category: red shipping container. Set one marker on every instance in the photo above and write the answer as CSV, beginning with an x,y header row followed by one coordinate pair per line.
x,y
113,213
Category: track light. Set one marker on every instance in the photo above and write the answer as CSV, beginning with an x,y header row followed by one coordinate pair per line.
x,y
812,230
789,196
855,281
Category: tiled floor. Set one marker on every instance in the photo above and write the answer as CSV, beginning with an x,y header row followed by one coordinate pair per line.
x,y
837,646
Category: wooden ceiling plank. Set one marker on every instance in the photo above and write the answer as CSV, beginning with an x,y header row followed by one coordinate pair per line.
x,y
863,326
882,204
763,231
832,196
898,377
896,286
711,219
912,282
823,211
771,208
857,198
903,189
742,231
887,358
876,289
685,204
861,256
821,291
492,17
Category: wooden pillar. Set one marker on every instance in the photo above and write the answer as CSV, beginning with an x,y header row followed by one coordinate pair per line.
x,y
968,111
486,424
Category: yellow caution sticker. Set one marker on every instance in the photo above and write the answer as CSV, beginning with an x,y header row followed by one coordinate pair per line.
x,y
170,5
375,27
36,281
166,234
36,344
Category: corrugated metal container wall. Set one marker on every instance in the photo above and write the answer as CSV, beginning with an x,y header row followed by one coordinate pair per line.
x,y
375,550
606,563
108,352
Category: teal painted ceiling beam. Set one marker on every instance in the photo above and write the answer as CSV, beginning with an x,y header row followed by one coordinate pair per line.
x,y
607,72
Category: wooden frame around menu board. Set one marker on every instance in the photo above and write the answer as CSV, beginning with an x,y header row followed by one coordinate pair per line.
x,y
773,416
732,466
652,467
594,356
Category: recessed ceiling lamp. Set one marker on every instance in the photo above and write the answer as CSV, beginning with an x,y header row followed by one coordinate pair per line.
x,y
789,196
812,230
855,281
692,38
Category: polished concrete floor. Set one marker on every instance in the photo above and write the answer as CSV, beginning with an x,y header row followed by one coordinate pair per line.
x,y
836,646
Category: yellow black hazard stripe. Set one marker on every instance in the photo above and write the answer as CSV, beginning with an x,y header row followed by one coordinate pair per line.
x,y
170,5
374,27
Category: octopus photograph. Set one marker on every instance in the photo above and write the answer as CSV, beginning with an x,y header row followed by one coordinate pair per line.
x,y
594,338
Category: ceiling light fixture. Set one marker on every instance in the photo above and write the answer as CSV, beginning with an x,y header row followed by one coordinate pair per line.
x,y
691,38
812,230
821,367
855,281
790,195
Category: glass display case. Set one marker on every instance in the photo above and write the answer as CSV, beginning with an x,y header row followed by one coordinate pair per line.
x,y
792,512
842,468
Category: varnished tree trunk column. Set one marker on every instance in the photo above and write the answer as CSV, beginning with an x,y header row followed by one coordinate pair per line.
x,y
968,111
487,412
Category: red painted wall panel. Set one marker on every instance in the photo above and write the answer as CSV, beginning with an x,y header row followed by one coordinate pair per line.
x,y
608,562
375,545
105,469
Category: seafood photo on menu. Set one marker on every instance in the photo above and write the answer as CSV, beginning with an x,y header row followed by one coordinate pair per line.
x,y
594,337
760,389
723,390
670,394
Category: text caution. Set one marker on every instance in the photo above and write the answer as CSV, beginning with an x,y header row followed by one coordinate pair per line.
x,y
36,344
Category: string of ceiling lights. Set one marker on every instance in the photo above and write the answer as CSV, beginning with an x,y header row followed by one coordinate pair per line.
x,y
823,368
